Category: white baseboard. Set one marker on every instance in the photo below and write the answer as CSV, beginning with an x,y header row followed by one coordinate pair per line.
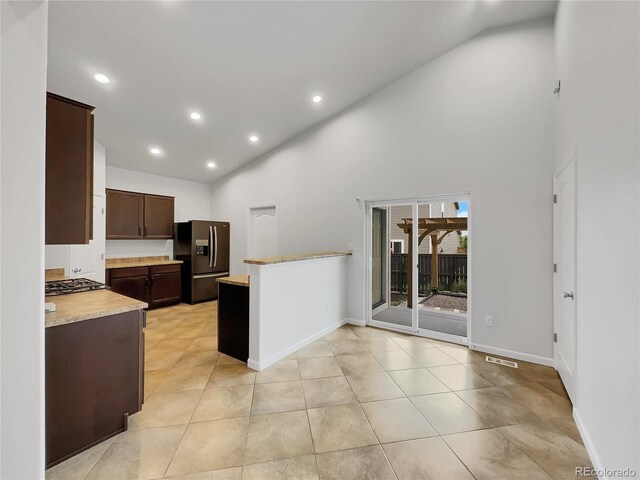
x,y
588,443
261,365
357,323
525,357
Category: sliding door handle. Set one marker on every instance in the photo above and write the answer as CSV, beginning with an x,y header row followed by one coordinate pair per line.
x,y
567,295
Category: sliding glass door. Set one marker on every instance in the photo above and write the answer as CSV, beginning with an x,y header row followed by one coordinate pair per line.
x,y
379,260
392,279
418,268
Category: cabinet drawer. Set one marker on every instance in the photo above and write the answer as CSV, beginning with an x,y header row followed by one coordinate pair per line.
x,y
128,272
174,268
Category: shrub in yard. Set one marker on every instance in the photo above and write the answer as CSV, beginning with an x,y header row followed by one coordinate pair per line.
x,y
460,287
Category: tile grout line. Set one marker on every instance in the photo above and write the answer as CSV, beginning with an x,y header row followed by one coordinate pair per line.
x,y
377,438
246,440
313,443
456,455
370,352
189,422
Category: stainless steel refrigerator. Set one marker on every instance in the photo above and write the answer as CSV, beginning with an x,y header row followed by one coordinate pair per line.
x,y
203,246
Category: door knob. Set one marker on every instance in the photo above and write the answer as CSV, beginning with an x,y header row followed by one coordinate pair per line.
x,y
567,295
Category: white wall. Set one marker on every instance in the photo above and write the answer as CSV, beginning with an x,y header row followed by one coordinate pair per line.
x,y
22,120
598,115
192,202
292,304
477,119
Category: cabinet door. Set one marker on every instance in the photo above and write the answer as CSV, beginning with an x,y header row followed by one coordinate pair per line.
x,y
134,287
165,289
124,215
158,216
69,172
93,375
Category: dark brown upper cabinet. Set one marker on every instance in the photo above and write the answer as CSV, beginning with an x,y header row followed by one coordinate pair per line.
x,y
158,216
125,215
132,215
69,172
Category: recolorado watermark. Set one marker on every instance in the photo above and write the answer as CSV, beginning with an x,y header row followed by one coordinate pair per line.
x,y
606,472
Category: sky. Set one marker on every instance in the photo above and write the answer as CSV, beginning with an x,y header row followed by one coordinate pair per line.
x,y
464,209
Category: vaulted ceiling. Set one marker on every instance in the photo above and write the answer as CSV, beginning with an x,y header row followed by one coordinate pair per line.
x,y
248,68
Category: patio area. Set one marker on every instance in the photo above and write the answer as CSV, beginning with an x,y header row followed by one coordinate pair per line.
x,y
435,312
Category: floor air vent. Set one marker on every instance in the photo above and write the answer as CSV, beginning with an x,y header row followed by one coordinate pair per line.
x,y
500,361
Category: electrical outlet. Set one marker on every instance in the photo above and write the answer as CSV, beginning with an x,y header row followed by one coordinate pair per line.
x,y
488,321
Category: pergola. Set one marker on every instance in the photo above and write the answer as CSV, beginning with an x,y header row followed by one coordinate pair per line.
x,y
437,229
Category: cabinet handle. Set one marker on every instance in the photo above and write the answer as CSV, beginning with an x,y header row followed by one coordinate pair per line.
x,y
145,230
139,231
146,283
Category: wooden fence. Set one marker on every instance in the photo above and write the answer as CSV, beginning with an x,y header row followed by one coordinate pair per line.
x,y
452,269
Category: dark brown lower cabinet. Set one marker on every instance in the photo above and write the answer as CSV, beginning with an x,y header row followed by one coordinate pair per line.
x,y
233,320
94,374
158,286
165,285
135,287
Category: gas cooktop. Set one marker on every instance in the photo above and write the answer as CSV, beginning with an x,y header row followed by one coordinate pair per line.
x,y
71,285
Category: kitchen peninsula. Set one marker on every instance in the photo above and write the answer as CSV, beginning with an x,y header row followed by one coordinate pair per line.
x,y
94,368
293,301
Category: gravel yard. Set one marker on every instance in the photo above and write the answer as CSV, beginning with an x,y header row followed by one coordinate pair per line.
x,y
446,302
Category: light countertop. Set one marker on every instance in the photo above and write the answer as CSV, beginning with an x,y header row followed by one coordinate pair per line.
x,y
295,258
128,262
241,280
76,307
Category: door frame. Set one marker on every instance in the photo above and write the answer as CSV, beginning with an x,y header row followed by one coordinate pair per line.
x,y
414,201
572,161
387,292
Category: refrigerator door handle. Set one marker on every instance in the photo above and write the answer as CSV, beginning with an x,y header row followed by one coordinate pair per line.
x,y
210,242
215,254
210,275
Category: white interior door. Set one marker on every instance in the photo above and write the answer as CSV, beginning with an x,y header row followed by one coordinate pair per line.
x,y
564,291
263,233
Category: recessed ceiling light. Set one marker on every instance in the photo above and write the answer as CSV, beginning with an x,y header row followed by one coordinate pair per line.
x,y
101,78
211,164
253,138
155,151
316,99
195,116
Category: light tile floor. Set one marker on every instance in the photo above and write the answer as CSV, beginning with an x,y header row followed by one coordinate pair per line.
x,y
360,403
